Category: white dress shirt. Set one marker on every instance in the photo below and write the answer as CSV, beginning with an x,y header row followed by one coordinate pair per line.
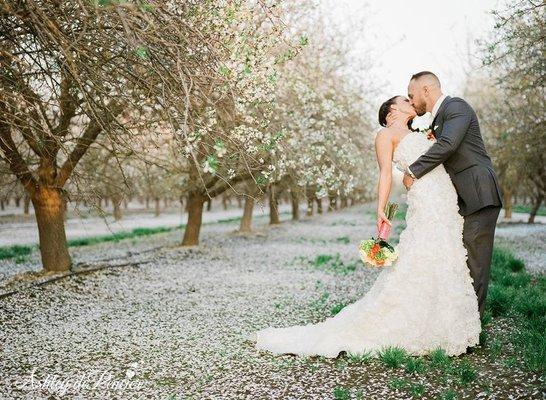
x,y
437,105
433,113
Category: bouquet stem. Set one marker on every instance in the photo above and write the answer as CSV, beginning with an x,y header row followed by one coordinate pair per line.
x,y
390,212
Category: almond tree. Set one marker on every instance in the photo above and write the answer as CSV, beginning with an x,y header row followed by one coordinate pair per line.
x,y
227,138
73,71
514,109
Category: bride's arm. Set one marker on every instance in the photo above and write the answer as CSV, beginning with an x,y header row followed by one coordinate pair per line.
x,y
383,151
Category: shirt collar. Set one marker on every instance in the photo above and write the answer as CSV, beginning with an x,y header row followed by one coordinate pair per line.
x,y
437,105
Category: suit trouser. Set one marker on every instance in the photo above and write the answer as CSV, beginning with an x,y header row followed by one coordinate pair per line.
x,y
478,237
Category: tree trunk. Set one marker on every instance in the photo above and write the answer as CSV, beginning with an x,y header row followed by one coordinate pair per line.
x,y
295,205
147,203
319,205
2,205
106,202
224,202
344,203
116,202
332,203
157,210
310,204
26,204
273,206
195,216
535,208
246,220
209,204
507,203
239,203
49,207
17,202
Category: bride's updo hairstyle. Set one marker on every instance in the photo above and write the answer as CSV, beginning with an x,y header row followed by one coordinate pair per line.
x,y
385,109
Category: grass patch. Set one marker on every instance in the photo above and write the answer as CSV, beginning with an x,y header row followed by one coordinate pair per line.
x,y
343,239
448,394
16,251
527,209
415,365
465,372
515,294
331,263
337,307
364,358
116,237
438,359
515,297
399,383
392,356
341,393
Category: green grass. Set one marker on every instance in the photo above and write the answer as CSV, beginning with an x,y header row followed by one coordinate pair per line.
x,y
337,307
465,372
516,298
515,294
448,394
392,356
341,393
438,359
331,263
15,251
343,239
364,358
527,209
399,383
415,365
116,237
20,252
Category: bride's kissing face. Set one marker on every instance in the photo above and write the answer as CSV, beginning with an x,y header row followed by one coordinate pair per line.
x,y
402,105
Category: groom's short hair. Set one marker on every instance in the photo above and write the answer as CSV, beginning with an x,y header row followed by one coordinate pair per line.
x,y
427,74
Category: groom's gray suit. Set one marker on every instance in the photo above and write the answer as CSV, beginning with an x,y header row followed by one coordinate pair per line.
x,y
460,148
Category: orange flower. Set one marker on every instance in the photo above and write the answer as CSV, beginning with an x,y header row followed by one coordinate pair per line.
x,y
375,248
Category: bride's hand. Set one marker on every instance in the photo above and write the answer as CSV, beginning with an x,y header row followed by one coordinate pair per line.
x,y
380,218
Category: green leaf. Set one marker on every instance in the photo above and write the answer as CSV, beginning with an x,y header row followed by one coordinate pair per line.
x,y
142,52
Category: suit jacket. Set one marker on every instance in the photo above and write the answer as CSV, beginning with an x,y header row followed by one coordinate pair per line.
x,y
461,149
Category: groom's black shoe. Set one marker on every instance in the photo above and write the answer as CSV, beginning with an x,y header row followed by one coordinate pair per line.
x,y
470,350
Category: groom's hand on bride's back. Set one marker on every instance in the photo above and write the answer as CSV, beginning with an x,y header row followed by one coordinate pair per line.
x,y
430,135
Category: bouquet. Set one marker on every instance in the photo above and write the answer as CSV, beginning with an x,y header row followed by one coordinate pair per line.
x,y
378,252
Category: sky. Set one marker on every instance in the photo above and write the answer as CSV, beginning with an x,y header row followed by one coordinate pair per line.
x,y
410,36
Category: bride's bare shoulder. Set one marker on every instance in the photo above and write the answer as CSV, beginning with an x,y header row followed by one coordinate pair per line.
x,y
384,135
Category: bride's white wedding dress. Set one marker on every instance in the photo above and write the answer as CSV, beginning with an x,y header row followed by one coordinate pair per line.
x,y
425,300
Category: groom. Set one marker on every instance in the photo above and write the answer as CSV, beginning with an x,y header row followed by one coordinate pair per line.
x,y
459,146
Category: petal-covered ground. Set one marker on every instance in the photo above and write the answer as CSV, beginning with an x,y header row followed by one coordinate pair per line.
x,y
168,322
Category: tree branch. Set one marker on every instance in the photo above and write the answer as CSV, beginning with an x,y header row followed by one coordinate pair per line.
x,y
13,158
82,144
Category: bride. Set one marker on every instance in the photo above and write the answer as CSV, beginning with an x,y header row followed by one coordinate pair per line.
x,y
425,300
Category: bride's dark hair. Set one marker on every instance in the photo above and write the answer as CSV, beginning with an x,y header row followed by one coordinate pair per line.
x,y
385,109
